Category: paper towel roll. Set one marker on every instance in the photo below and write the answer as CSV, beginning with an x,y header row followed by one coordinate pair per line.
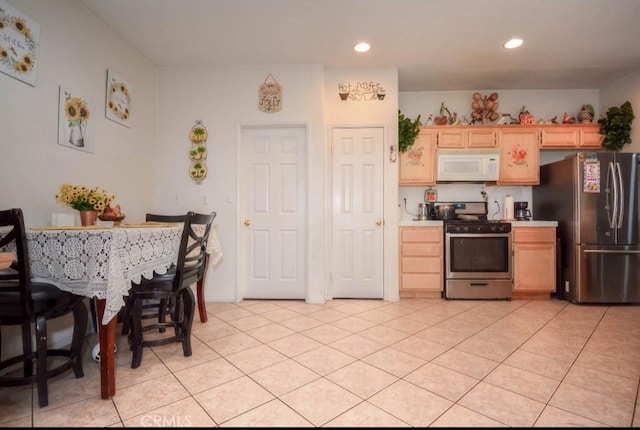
x,y
508,207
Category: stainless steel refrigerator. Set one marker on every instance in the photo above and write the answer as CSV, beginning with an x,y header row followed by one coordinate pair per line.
x,y
594,198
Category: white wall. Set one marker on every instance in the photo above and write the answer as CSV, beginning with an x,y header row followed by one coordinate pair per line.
x,y
225,99
75,51
618,92
377,113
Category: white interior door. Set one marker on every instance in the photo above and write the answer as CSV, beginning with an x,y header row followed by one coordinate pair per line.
x,y
273,213
357,225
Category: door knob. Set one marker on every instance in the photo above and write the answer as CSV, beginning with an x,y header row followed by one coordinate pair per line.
x,y
378,222
247,222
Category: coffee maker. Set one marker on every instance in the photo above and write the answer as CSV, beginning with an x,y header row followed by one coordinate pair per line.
x,y
521,212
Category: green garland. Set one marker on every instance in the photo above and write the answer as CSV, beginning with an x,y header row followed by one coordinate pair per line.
x,y
408,130
616,127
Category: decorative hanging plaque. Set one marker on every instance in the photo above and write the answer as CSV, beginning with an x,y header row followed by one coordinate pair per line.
x,y
270,95
198,152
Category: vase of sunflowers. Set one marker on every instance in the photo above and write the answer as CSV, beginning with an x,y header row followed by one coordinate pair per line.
x,y
88,201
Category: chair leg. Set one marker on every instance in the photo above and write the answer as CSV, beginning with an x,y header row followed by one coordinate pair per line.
x,y
80,320
27,349
124,315
135,334
41,352
188,301
162,313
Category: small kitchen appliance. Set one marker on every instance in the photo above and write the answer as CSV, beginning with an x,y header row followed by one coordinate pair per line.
x,y
521,212
422,212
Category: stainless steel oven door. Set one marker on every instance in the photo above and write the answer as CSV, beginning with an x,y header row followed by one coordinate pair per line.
x,y
478,256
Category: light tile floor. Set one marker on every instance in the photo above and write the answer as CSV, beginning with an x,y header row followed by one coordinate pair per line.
x,y
373,363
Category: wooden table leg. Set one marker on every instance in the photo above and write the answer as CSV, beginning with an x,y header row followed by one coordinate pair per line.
x,y
107,335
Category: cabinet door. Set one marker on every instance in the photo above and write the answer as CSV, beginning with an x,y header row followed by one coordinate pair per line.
x,y
590,137
452,138
534,267
482,138
559,137
418,164
519,156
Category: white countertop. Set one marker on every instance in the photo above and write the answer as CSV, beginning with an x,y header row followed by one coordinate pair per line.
x,y
431,223
439,223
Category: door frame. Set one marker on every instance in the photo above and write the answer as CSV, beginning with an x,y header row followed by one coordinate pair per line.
x,y
240,251
390,220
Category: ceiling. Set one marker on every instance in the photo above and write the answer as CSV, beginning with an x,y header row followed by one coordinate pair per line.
x,y
440,45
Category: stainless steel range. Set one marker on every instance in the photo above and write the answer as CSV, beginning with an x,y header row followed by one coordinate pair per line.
x,y
478,260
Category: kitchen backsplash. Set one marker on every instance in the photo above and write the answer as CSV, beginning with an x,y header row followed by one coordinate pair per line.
x,y
463,192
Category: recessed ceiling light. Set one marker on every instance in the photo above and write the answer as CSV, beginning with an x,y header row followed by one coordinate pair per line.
x,y
513,43
362,47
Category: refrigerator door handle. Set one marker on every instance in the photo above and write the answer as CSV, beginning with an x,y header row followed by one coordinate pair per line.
x,y
611,181
609,251
620,196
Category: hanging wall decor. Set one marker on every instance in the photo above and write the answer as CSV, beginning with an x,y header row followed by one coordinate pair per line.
x,y
361,91
19,36
118,107
270,95
198,152
74,122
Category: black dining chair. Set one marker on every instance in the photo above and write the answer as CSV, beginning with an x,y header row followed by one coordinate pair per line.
x,y
170,293
24,302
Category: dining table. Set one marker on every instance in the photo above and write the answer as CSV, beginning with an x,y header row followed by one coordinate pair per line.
x,y
102,262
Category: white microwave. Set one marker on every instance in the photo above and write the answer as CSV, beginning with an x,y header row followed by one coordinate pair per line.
x,y
468,165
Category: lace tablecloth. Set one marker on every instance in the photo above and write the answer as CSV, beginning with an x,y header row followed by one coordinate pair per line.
x,y
101,263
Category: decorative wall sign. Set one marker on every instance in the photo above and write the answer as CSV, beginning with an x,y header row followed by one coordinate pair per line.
x,y
118,107
198,152
361,91
74,125
19,36
270,95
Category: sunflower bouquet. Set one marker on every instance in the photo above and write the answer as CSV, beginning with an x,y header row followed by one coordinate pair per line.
x,y
84,198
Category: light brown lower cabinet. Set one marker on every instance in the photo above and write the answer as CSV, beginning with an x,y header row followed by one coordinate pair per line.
x,y
421,261
534,260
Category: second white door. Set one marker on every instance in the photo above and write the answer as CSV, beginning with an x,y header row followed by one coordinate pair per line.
x,y
358,224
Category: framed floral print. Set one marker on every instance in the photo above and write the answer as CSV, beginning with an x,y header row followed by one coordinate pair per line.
x,y
118,106
19,36
74,121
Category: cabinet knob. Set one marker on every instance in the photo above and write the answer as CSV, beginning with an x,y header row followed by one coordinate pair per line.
x,y
247,222
378,222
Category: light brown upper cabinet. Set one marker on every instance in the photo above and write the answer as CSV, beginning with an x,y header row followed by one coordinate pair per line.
x,y
570,136
461,137
519,155
418,164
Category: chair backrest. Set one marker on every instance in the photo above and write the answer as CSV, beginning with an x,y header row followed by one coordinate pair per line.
x,y
15,239
193,247
190,266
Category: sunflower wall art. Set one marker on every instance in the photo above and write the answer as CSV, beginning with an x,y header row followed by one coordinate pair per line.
x,y
118,106
74,122
19,36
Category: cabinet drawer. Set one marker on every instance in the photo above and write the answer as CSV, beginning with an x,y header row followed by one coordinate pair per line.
x,y
421,282
421,265
534,234
421,249
421,234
